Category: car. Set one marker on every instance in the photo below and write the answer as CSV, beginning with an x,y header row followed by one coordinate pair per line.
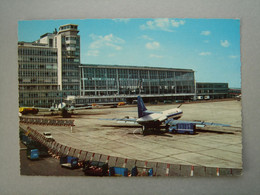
x,y
48,136
113,106
167,101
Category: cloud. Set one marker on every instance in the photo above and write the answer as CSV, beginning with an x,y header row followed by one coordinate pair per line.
x,y
111,55
233,56
206,41
147,37
163,24
224,43
108,41
205,33
205,53
176,23
125,20
155,56
152,45
93,53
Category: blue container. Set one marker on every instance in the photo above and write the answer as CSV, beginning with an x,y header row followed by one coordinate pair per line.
x,y
118,171
34,154
150,172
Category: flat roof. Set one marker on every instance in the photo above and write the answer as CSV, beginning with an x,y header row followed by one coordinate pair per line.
x,y
46,34
33,44
133,67
68,24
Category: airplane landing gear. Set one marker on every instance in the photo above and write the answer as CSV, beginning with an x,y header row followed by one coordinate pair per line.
x,y
143,131
167,127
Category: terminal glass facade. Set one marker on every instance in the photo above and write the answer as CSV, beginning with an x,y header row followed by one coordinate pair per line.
x,y
131,80
212,90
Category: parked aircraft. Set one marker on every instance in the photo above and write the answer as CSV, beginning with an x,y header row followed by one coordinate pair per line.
x,y
154,119
62,107
151,119
238,97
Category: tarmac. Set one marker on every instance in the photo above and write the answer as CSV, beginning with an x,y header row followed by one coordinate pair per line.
x,y
210,146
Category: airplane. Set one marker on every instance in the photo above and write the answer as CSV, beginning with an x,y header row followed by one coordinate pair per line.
x,y
151,119
108,104
238,97
63,107
154,119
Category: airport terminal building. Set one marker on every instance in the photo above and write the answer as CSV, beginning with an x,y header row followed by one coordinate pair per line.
x,y
111,83
49,71
207,90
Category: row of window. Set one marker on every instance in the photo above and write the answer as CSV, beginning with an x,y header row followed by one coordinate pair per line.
x,y
70,73
37,66
36,59
37,81
69,27
212,85
135,74
46,74
212,91
38,94
38,87
134,88
70,87
37,52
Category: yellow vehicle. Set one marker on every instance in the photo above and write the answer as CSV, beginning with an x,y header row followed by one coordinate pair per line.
x,y
28,110
121,103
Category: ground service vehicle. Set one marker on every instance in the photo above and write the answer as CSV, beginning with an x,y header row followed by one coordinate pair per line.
x,y
95,168
69,162
118,171
33,154
206,97
27,110
184,128
167,101
121,104
200,97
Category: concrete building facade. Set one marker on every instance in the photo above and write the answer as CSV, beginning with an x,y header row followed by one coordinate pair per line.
x,y
48,69
211,90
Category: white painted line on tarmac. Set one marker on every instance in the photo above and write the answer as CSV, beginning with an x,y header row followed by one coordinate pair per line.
x,y
135,134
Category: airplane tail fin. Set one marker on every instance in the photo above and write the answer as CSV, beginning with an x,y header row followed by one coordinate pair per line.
x,y
141,107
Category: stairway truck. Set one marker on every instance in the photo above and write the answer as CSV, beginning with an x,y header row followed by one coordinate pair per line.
x,y
33,154
183,128
69,162
95,168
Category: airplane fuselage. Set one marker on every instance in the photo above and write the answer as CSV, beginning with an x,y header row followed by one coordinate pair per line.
x,y
157,118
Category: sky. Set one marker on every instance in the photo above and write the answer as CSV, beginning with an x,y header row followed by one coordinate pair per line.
x,y
210,47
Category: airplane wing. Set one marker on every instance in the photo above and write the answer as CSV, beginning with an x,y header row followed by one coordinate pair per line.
x,y
123,120
197,123
79,108
40,108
